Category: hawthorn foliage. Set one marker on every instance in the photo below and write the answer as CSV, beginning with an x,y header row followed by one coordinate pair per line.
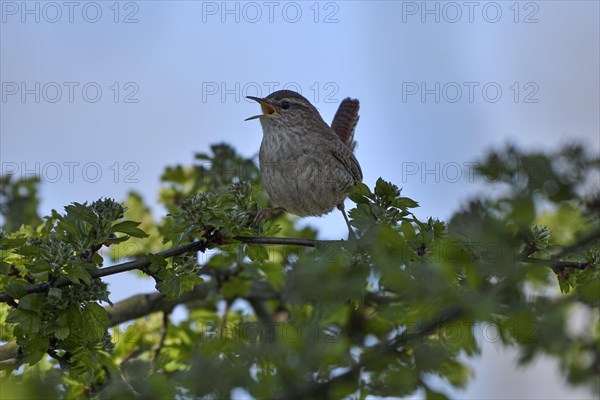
x,y
273,310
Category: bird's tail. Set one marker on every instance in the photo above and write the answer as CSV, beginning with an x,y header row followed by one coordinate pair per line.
x,y
345,120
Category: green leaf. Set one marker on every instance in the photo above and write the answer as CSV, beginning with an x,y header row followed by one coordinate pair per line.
x,y
541,236
360,193
78,211
274,273
62,332
364,215
29,321
129,228
405,202
33,302
157,262
235,286
590,290
408,229
116,240
35,349
386,190
77,273
4,266
108,362
72,318
183,236
95,320
257,252
173,285
17,288
563,282
54,294
8,243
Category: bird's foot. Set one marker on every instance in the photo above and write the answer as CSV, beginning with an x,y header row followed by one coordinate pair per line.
x,y
351,234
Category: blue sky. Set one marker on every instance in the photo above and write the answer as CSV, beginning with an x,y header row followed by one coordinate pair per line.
x,y
98,97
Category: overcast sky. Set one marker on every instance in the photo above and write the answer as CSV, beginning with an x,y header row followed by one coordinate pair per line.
x,y
99,97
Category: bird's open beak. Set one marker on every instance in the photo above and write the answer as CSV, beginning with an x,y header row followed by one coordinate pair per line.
x,y
267,109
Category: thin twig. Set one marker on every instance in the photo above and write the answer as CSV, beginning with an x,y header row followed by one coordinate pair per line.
x,y
556,265
163,336
274,240
142,263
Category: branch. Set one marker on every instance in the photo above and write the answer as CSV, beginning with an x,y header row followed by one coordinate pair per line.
x,y
143,263
321,390
273,240
561,265
115,269
555,265
584,241
9,355
140,305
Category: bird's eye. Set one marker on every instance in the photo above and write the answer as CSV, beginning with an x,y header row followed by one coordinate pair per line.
x,y
285,105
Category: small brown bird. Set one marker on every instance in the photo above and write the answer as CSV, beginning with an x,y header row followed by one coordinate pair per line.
x,y
307,166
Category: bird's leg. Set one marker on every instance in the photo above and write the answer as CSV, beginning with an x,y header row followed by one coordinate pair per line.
x,y
263,213
350,230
